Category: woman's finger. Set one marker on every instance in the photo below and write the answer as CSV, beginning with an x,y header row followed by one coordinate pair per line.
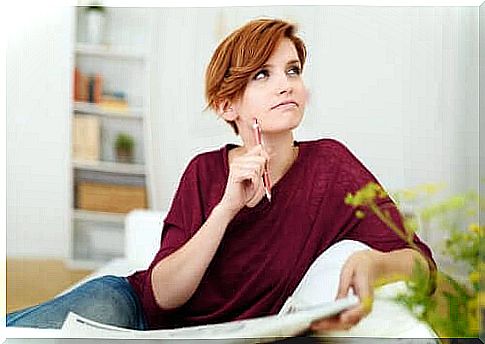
x,y
329,324
256,151
342,321
254,162
353,315
257,196
242,169
251,161
345,281
249,175
364,290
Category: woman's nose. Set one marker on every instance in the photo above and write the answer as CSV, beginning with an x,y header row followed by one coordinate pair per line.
x,y
283,85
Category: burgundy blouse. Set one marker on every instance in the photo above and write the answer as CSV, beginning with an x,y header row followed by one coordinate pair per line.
x,y
266,250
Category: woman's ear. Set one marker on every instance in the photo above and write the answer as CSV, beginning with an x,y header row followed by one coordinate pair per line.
x,y
226,110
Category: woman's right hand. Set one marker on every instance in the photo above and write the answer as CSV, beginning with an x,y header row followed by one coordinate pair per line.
x,y
244,185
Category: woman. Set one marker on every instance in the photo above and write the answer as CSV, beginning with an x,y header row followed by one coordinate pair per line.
x,y
228,252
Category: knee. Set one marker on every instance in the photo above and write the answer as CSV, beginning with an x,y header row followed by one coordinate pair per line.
x,y
109,302
109,311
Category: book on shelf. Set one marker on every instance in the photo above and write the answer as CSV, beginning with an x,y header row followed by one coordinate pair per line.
x,y
86,137
110,103
97,88
87,88
80,86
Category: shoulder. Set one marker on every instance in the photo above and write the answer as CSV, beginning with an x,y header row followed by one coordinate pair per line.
x,y
204,165
336,158
204,158
328,150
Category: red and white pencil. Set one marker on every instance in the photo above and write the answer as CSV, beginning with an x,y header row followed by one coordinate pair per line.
x,y
259,141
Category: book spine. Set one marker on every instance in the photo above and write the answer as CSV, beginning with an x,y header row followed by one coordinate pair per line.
x,y
77,83
91,89
83,89
98,88
86,137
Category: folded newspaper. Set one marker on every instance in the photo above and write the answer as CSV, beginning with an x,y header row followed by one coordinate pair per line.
x,y
290,322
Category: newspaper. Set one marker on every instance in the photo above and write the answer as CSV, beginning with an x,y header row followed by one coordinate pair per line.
x,y
293,322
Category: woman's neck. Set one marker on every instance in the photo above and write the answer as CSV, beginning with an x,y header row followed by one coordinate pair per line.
x,y
282,153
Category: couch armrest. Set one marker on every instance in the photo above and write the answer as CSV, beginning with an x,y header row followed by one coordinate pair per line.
x,y
143,230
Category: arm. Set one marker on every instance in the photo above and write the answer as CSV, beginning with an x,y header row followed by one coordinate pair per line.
x,y
391,258
363,271
367,269
176,277
397,265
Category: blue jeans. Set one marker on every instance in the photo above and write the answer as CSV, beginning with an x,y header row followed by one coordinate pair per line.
x,y
108,299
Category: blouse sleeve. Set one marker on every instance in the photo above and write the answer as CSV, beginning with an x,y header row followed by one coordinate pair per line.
x,y
182,221
352,175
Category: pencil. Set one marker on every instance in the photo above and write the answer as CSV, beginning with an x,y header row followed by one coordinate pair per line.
x,y
259,141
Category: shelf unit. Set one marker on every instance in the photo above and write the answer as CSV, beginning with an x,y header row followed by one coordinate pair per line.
x,y
108,166
98,216
108,51
98,236
134,113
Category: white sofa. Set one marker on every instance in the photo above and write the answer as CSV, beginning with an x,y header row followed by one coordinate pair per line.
x,y
387,319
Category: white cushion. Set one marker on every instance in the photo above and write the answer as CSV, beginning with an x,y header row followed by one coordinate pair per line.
x,y
387,318
142,237
143,230
320,283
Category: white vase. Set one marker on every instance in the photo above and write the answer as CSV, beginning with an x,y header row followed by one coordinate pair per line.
x,y
95,26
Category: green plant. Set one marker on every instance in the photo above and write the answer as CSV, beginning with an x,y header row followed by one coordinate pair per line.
x,y
459,299
124,142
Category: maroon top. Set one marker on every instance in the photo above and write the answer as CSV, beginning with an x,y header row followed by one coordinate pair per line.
x,y
266,250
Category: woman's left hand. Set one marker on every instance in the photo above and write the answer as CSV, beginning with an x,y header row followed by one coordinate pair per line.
x,y
359,272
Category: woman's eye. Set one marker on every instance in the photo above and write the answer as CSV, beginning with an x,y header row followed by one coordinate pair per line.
x,y
261,74
295,70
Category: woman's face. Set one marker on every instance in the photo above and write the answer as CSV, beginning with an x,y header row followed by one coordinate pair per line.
x,y
275,93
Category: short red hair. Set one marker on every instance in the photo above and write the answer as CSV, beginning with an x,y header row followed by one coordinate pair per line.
x,y
241,54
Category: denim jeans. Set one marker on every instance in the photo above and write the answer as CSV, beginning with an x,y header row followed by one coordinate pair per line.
x,y
108,299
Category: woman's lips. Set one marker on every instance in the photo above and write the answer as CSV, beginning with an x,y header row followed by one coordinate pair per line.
x,y
285,105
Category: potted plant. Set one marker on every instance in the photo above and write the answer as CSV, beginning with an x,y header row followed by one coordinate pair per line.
x,y
95,22
454,308
124,146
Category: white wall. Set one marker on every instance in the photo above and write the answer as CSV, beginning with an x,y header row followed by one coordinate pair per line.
x,y
38,131
398,85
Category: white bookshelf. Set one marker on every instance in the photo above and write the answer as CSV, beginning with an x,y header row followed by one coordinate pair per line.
x,y
135,113
109,166
123,60
98,216
107,51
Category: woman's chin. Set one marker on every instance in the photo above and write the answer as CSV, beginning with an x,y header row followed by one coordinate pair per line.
x,y
277,121
278,129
